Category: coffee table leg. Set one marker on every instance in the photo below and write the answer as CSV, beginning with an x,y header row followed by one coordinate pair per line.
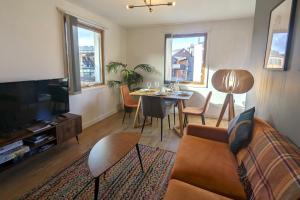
x,y
96,188
138,151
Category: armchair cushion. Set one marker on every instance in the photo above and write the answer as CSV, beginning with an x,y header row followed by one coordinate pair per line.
x,y
208,132
209,165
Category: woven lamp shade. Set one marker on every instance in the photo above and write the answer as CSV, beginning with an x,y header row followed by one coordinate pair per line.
x,y
231,81
237,81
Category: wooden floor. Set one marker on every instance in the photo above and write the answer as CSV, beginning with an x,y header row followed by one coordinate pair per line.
x,y
16,181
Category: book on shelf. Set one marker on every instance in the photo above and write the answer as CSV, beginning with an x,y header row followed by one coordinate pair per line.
x,y
45,147
14,153
11,146
39,139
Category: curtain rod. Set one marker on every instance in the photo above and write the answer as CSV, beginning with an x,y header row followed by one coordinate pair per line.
x,y
83,19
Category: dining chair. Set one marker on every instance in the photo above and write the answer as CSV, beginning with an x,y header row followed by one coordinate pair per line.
x,y
172,103
199,111
128,102
155,107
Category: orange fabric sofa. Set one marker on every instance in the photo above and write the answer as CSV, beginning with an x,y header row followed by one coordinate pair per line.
x,y
204,167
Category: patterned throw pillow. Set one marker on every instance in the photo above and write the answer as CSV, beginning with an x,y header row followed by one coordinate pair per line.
x,y
271,168
240,130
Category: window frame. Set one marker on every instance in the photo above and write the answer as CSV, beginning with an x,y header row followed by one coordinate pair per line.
x,y
204,80
102,70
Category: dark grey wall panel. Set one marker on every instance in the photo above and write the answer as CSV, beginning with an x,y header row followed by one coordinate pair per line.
x,y
276,94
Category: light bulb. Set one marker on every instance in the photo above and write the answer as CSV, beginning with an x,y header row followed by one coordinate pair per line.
x,y
128,7
231,81
171,3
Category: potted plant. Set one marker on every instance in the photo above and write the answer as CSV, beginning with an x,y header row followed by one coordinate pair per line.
x,y
129,75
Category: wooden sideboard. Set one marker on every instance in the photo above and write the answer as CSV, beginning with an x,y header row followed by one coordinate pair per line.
x,y
63,128
68,128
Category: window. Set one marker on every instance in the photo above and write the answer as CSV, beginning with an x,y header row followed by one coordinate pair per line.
x,y
185,58
90,55
84,54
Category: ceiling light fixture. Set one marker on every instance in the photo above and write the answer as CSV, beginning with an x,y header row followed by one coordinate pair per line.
x,y
149,5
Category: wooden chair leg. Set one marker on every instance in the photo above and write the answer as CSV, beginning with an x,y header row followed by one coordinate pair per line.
x,y
169,121
124,117
161,129
185,121
143,124
203,119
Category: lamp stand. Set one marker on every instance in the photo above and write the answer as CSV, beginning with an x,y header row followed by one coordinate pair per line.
x,y
229,102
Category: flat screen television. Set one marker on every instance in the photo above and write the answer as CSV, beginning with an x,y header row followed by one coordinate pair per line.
x,y
24,103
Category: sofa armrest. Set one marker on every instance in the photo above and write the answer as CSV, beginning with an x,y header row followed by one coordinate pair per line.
x,y
208,132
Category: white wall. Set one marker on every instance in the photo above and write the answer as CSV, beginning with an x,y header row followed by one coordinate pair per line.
x,y
32,48
229,44
276,94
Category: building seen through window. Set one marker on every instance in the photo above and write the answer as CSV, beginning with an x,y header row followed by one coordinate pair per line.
x,y
90,56
185,58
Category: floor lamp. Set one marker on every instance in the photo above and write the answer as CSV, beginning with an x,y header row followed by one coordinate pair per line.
x,y
231,81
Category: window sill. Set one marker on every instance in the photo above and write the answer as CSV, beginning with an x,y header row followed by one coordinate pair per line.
x,y
92,87
196,85
192,84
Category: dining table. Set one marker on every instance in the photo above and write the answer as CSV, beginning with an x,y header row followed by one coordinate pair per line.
x,y
179,96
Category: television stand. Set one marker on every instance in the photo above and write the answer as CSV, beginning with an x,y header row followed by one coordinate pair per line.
x,y
43,137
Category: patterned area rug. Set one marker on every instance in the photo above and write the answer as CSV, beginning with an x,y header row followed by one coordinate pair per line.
x,y
123,181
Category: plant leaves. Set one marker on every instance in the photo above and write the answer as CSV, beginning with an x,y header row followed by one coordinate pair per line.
x,y
132,78
129,76
114,83
144,67
115,66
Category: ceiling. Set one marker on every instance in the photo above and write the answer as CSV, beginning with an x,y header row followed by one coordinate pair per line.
x,y
185,11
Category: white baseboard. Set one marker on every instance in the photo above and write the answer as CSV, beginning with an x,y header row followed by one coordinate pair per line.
x,y
99,118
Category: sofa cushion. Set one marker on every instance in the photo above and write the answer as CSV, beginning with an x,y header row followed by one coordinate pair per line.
x,y
178,190
208,164
240,136
240,130
271,167
246,115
